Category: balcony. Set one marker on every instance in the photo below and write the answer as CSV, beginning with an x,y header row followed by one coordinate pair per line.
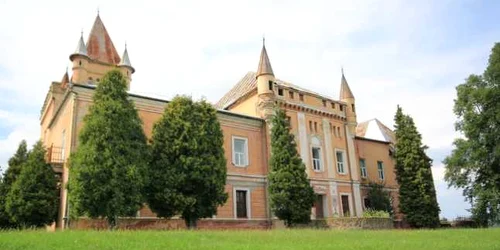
x,y
56,157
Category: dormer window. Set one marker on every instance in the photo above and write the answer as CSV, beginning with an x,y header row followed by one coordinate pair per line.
x,y
301,97
324,103
290,93
280,92
333,105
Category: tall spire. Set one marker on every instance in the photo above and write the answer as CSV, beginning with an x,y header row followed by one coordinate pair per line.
x,y
99,45
264,63
126,60
345,91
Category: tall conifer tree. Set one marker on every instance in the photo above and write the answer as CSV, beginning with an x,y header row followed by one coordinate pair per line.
x,y
107,169
32,201
413,172
187,173
290,192
10,176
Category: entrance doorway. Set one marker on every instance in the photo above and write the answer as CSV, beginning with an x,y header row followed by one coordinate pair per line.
x,y
345,205
320,214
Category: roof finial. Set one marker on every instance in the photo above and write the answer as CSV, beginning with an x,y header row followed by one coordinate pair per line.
x,y
97,10
263,40
125,45
342,69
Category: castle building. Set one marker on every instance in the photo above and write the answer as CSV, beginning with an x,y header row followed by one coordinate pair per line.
x,y
341,155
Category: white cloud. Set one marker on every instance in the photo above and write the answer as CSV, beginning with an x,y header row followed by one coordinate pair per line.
x,y
392,51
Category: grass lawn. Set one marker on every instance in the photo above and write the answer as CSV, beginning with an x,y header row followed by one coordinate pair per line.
x,y
276,239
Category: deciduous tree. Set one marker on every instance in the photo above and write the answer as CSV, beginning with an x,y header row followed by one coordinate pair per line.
x,y
380,200
474,163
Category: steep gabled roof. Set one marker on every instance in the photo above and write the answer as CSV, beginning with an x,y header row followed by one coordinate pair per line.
x,y
243,87
99,45
375,130
249,83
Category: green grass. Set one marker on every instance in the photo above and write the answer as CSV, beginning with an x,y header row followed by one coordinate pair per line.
x,y
275,239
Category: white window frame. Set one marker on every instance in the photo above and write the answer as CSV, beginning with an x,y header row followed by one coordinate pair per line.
x,y
319,160
248,201
245,154
344,162
381,174
362,168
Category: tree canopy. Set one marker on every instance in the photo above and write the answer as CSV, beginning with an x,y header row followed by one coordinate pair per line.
x,y
474,163
187,173
417,193
33,198
380,200
291,194
107,169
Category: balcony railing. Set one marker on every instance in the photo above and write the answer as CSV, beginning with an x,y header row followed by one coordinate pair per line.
x,y
55,155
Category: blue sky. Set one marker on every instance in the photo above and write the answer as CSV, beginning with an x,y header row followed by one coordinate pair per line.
x,y
411,53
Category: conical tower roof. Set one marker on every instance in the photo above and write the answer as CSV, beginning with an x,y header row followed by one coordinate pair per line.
x,y
264,63
345,91
126,60
99,45
81,49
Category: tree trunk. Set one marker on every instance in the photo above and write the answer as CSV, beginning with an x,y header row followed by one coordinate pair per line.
x,y
191,223
112,222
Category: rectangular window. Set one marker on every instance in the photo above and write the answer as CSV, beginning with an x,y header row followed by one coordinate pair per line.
x,y
341,107
353,109
270,85
301,97
311,126
362,166
333,105
240,152
340,162
315,127
290,93
280,92
338,132
289,120
241,204
324,103
380,167
316,155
